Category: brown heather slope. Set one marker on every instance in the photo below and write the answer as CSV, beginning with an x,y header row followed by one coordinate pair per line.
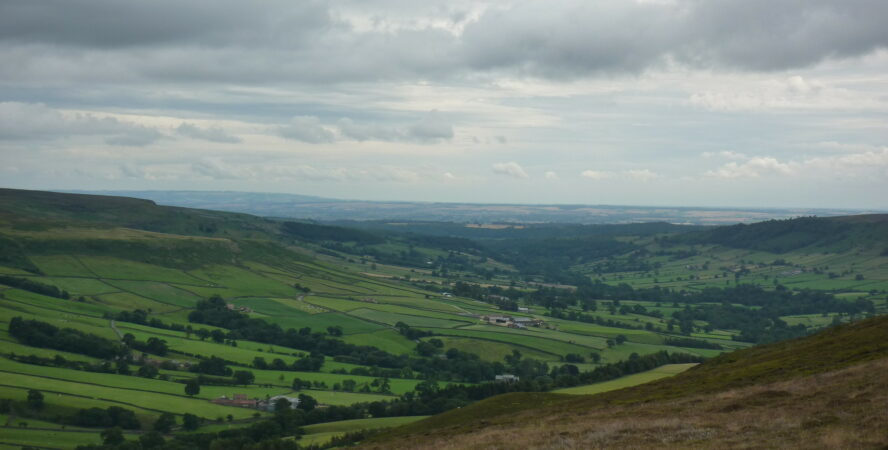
x,y
829,390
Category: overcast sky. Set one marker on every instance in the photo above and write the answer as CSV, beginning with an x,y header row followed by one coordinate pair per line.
x,y
654,102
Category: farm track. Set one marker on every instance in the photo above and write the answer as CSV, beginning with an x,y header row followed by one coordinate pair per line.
x,y
116,331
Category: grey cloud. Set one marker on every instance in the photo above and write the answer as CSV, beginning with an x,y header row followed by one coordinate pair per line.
x,y
135,137
114,24
306,129
35,121
307,41
367,132
582,37
216,170
212,134
432,127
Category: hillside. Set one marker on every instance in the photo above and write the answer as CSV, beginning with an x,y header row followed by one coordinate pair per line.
x,y
133,301
822,391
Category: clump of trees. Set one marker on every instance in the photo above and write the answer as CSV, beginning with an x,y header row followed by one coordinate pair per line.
x,y
41,334
34,286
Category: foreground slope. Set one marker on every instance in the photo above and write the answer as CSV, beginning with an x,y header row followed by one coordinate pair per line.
x,y
827,390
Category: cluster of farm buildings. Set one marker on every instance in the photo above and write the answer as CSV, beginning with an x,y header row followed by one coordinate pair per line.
x,y
243,309
241,400
512,322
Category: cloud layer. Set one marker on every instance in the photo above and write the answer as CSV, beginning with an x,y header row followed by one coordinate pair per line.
x,y
310,41
702,102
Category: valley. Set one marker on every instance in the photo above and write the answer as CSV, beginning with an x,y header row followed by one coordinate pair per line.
x,y
369,327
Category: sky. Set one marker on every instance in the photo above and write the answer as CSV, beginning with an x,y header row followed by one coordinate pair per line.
x,y
743,103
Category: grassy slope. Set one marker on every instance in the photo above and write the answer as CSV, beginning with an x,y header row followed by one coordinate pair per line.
x,y
836,365
628,381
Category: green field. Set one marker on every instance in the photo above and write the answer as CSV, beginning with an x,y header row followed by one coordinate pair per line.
x,y
627,381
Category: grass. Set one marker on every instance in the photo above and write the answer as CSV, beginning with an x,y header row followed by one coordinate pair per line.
x,y
346,398
627,381
490,350
126,397
48,438
412,320
387,340
498,334
161,292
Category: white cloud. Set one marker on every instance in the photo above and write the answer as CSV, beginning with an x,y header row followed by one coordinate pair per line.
x,y
846,165
595,174
727,154
752,168
511,169
642,175
551,175
792,93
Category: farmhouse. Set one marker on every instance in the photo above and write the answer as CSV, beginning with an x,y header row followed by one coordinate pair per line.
x,y
240,400
527,321
497,319
243,309
507,378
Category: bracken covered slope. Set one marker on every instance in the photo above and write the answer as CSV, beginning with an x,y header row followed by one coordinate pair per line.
x,y
829,390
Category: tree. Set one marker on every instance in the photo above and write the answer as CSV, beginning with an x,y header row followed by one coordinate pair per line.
x,y
282,404
35,399
190,422
165,422
244,377
306,402
112,436
574,358
299,383
192,387
218,336
385,386
151,440
426,349
147,371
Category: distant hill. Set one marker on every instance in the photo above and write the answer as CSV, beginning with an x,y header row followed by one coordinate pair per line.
x,y
779,236
821,391
328,209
